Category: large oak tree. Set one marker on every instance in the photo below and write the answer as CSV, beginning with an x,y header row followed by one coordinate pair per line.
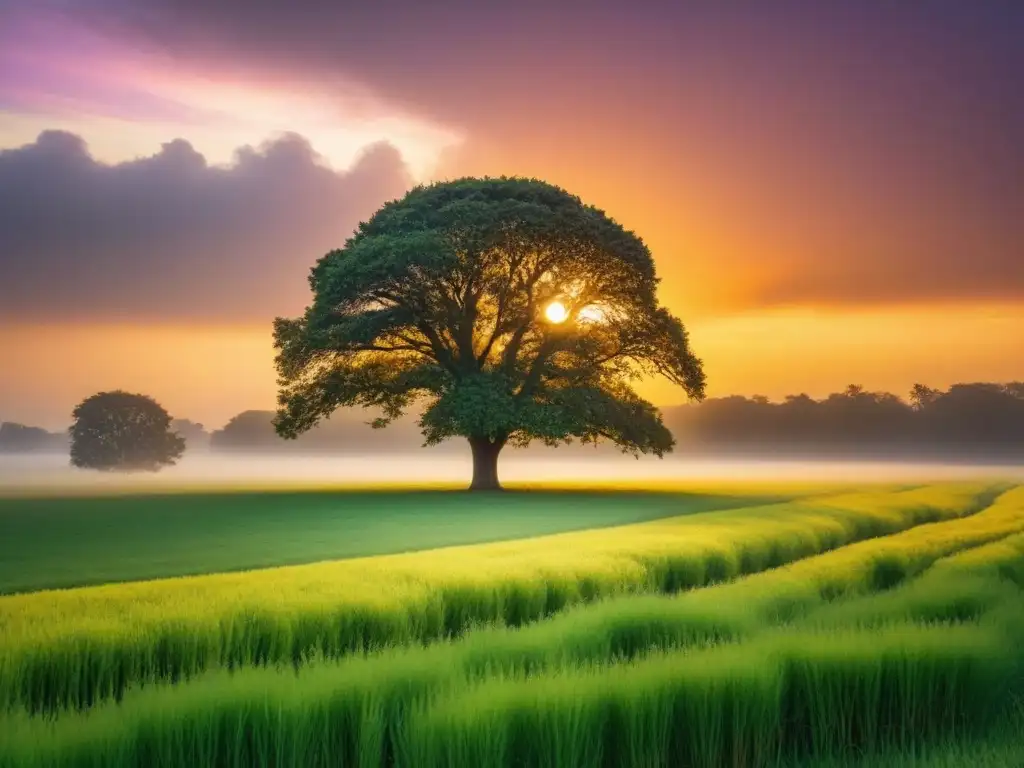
x,y
505,307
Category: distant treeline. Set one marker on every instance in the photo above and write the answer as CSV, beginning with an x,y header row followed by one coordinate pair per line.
x,y
17,438
980,420
346,431
967,421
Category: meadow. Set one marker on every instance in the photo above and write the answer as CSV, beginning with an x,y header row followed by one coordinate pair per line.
x,y
51,542
874,627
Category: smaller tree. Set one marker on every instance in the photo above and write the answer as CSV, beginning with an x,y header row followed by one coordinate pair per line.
x,y
123,431
922,397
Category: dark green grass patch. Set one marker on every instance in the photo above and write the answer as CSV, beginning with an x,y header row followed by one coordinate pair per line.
x,y
75,541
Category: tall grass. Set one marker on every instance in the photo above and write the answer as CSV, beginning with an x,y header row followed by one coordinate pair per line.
x,y
802,692
957,588
846,672
936,658
73,648
1001,746
837,589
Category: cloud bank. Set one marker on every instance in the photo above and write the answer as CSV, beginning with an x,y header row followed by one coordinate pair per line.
x,y
797,153
171,237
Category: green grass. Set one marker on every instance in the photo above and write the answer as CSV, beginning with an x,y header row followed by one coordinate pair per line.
x,y
52,542
904,649
785,694
72,648
1001,746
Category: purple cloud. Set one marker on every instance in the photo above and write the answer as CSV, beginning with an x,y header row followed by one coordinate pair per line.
x,y
170,237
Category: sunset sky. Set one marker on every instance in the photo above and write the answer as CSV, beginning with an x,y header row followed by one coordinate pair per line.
x,y
833,191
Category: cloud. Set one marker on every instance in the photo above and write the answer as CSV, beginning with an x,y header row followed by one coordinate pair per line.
x,y
126,94
171,237
802,153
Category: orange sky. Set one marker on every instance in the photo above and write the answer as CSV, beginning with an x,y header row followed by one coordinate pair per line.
x,y
832,195
210,373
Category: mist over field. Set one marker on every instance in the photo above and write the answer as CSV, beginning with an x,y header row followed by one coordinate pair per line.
x,y
52,471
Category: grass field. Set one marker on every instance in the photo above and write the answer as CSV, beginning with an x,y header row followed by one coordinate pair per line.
x,y
881,627
48,542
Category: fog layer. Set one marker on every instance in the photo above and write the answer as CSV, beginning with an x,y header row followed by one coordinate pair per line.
x,y
52,473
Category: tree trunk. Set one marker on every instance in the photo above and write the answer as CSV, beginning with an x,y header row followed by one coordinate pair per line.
x,y
485,463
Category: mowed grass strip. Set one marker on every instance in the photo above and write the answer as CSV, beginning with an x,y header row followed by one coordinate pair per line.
x,y
52,542
935,658
73,648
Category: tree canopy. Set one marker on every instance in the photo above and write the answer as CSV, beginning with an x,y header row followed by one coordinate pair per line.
x,y
123,431
507,308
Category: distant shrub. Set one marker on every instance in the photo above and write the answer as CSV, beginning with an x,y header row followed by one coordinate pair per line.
x,y
123,431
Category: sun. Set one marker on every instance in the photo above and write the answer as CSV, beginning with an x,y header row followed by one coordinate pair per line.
x,y
556,312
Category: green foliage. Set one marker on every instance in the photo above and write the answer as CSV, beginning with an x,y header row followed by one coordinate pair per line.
x,y
439,300
123,431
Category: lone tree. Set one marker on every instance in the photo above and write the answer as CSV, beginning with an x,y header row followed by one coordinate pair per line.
x,y
122,431
508,308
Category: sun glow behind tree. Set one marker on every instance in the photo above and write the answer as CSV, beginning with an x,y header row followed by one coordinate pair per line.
x,y
556,312
508,308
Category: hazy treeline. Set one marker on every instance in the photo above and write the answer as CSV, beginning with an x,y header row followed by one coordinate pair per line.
x,y
346,431
982,420
18,438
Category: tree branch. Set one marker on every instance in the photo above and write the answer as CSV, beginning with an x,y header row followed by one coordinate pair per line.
x,y
425,349
500,312
383,348
537,367
442,352
512,349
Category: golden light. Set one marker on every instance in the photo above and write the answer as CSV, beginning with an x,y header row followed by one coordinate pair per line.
x,y
592,314
556,312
